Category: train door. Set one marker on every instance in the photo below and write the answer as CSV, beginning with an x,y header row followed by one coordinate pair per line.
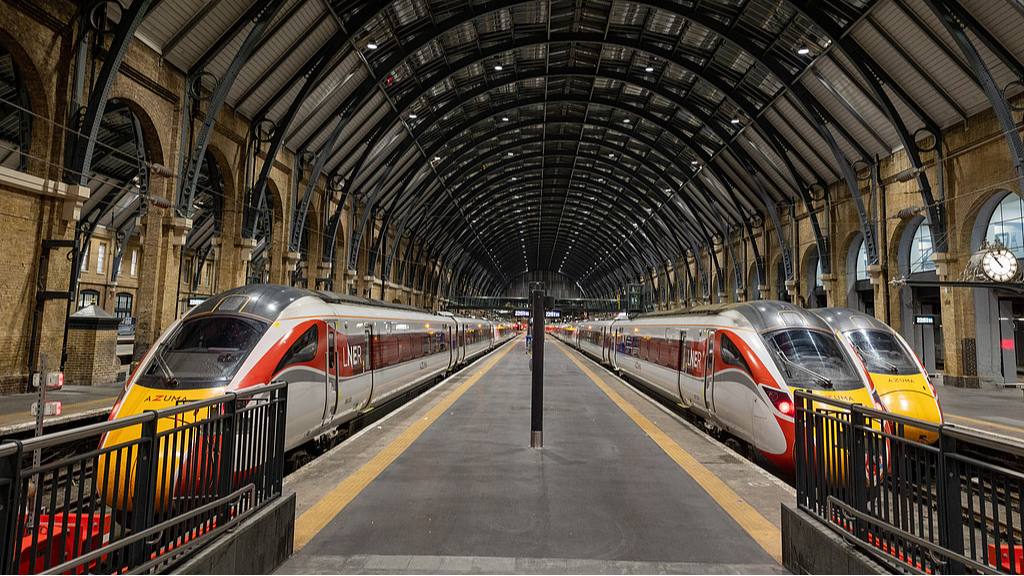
x,y
709,371
331,373
615,348
680,343
604,345
451,349
368,365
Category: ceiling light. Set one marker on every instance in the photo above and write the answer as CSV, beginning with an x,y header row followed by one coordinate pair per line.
x,y
611,155
803,51
504,118
735,120
437,158
510,154
626,121
372,45
694,162
497,67
649,69
412,116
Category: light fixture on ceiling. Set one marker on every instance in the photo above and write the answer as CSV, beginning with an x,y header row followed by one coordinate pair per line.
x,y
497,67
626,121
371,45
413,116
694,162
504,118
803,50
510,154
649,69
735,121
437,158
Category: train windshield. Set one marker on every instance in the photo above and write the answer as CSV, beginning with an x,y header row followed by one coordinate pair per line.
x,y
812,359
202,353
882,352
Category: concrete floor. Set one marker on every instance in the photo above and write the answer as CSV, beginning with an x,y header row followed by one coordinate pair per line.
x,y
470,495
994,410
77,402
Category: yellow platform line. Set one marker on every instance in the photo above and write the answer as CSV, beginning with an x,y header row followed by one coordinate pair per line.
x,y
984,423
316,518
760,529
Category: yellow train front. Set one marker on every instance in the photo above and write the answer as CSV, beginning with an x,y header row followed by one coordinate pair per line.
x,y
198,358
895,372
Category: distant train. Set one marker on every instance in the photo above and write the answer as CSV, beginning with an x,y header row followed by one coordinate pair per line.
x,y
340,356
734,365
896,373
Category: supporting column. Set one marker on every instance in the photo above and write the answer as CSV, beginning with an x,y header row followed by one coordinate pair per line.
x,y
828,281
881,290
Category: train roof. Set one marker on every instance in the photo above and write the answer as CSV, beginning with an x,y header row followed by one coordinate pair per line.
x,y
268,300
849,319
760,314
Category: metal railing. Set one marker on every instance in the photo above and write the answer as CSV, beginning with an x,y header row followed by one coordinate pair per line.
x,y
136,494
951,507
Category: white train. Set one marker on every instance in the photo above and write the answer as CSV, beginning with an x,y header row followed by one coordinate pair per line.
x,y
734,365
340,355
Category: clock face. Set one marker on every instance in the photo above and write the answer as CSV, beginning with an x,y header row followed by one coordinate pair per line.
x,y
999,264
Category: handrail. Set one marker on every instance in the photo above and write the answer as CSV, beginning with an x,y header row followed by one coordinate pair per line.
x,y
955,496
98,503
850,513
236,496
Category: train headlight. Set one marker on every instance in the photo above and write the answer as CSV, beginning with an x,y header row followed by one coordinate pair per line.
x,y
781,400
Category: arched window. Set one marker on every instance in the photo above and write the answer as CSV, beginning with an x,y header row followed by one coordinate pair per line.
x,y
862,262
123,305
921,250
88,298
1007,224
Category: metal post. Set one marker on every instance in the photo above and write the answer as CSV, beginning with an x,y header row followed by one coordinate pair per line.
x,y
856,458
947,478
144,494
537,404
10,488
228,439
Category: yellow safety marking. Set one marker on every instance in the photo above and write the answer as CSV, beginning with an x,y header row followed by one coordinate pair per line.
x,y
65,410
760,529
313,520
984,423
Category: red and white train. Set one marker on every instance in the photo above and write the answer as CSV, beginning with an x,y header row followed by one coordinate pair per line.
x,y
734,365
340,355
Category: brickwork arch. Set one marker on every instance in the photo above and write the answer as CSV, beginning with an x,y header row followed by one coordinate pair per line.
x,y
38,102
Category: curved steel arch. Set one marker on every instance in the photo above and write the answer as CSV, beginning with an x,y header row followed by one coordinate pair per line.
x,y
625,185
640,47
632,135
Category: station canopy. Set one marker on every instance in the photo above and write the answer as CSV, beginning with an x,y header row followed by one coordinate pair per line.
x,y
595,138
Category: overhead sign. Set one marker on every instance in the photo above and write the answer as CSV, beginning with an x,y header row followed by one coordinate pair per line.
x,y
195,301
924,319
553,313
522,312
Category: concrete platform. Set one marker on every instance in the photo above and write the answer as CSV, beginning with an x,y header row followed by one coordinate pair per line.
x,y
994,410
78,403
449,484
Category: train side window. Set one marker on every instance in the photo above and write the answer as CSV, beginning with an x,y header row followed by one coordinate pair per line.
x,y
303,350
731,354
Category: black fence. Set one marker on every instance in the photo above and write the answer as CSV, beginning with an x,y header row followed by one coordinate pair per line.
x,y
140,493
950,507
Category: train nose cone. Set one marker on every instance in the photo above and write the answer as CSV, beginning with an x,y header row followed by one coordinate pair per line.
x,y
915,405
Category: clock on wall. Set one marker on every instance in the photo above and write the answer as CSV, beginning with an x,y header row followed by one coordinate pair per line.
x,y
999,264
992,263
